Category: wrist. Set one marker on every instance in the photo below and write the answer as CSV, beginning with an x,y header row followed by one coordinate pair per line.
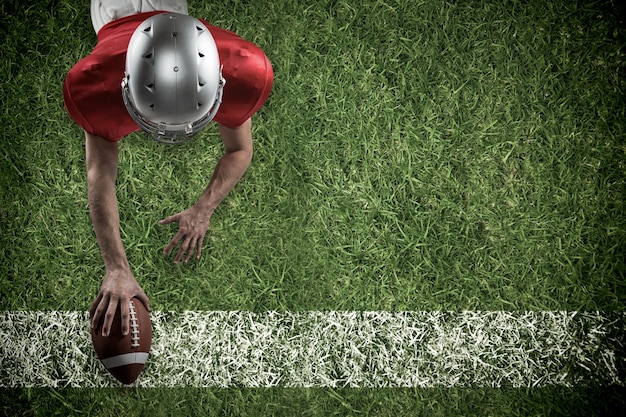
x,y
113,265
205,206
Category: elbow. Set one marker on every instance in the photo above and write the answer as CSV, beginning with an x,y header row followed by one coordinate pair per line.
x,y
240,158
99,175
101,160
243,154
247,155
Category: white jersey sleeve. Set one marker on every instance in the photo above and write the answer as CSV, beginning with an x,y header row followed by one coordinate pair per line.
x,y
105,11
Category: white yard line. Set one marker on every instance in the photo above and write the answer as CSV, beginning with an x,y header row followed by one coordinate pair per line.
x,y
327,349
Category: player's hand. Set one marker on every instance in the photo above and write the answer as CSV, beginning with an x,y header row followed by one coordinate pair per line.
x,y
192,227
118,287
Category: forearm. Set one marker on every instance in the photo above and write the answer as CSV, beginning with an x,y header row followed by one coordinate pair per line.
x,y
102,162
229,170
227,173
104,212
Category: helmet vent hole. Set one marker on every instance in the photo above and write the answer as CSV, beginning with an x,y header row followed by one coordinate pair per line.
x,y
199,105
199,29
201,84
148,29
148,55
150,87
200,54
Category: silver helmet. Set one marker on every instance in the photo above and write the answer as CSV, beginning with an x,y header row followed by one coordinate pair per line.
x,y
173,83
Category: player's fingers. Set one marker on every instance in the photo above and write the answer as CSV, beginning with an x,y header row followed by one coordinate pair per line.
x,y
94,306
173,242
199,247
125,315
141,296
99,311
182,250
170,219
109,315
191,248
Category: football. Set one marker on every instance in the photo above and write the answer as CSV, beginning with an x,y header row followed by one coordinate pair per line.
x,y
125,356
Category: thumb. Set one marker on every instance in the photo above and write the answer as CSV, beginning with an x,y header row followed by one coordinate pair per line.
x,y
144,299
170,219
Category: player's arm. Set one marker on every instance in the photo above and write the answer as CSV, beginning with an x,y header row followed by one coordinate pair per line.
x,y
231,167
194,222
119,284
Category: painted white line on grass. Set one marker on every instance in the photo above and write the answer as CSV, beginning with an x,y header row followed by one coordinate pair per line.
x,y
327,349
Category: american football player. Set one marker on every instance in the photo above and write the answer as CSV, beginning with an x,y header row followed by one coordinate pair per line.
x,y
157,69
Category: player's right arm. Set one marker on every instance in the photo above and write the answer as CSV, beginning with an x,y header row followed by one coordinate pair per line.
x,y
118,285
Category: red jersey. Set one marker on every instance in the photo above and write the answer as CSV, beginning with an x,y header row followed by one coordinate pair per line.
x,y
93,95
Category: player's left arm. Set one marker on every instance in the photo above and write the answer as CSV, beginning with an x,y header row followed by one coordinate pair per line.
x,y
193,223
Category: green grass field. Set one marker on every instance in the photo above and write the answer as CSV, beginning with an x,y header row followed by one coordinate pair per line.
x,y
434,155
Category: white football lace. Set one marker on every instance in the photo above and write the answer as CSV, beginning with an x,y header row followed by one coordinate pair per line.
x,y
134,327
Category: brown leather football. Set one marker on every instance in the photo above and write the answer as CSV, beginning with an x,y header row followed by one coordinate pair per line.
x,y
125,356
